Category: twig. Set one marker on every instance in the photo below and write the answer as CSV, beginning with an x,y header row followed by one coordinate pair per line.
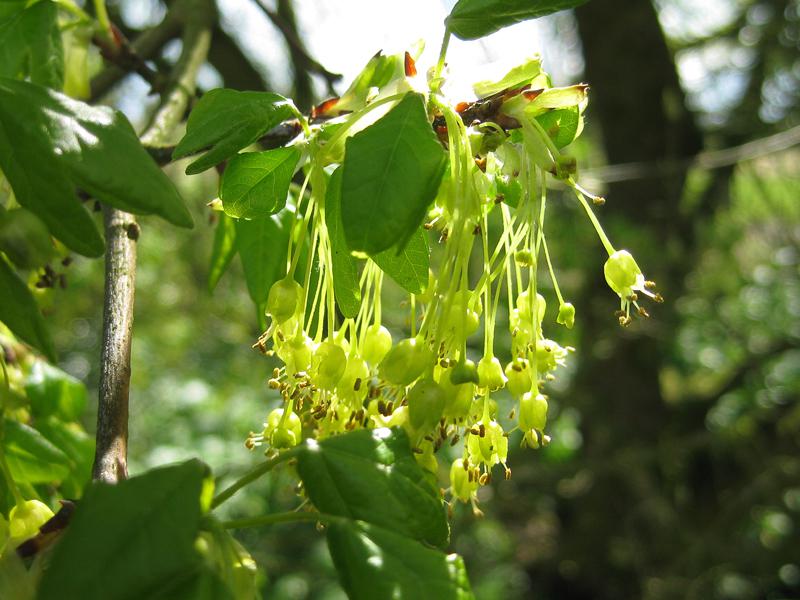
x,y
299,49
122,232
145,47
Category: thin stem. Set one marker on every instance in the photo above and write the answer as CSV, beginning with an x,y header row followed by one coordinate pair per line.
x,y
102,18
597,227
436,83
284,517
249,477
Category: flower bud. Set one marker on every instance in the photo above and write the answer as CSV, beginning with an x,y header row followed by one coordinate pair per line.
x,y
25,520
328,365
284,299
406,361
566,315
490,372
377,342
283,432
464,372
532,412
426,402
460,484
354,384
622,273
518,373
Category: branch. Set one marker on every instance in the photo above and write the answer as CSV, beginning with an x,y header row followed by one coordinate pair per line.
x,y
298,49
122,233
131,57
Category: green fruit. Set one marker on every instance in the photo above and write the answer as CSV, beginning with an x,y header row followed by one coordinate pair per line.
x,y
406,361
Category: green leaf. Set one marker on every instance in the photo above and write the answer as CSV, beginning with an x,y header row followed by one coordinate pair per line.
x,y
517,77
225,121
262,245
20,313
473,19
31,458
30,45
39,177
135,539
392,171
79,448
346,286
50,144
223,249
378,72
52,391
255,184
409,268
562,125
25,239
374,562
372,476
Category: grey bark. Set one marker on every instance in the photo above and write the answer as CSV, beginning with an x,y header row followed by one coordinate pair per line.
x,y
122,233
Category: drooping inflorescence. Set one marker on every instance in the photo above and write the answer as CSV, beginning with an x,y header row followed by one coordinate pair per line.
x,y
340,372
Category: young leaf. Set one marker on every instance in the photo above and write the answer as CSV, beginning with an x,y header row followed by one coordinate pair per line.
x,y
372,476
223,249
346,287
518,76
50,143
20,313
409,268
135,539
374,562
392,170
52,391
473,19
30,457
225,121
561,125
262,245
30,45
255,184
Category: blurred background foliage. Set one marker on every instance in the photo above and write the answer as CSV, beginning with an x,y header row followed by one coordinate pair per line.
x,y
674,470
